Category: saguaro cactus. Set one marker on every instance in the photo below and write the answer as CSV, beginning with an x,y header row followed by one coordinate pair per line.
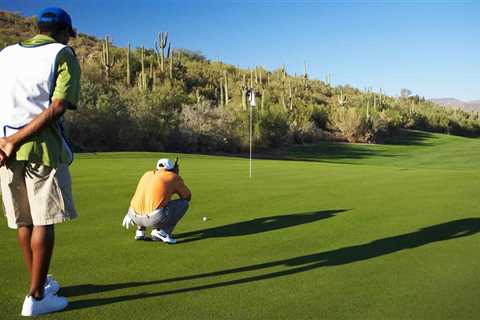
x,y
290,96
282,100
151,70
129,80
381,98
225,75
305,76
221,92
170,60
160,47
342,99
108,61
244,92
264,92
151,75
368,110
197,93
142,77
328,79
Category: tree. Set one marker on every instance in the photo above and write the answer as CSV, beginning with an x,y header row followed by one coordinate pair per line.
x,y
405,93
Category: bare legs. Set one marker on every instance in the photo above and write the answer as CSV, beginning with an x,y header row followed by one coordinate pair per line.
x,y
37,247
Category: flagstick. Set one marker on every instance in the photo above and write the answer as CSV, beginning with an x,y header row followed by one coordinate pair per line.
x,y
252,104
250,172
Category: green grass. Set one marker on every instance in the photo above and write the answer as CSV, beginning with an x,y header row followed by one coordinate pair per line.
x,y
337,231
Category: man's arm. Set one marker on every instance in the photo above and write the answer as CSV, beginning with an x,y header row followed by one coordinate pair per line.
x,y
9,144
183,191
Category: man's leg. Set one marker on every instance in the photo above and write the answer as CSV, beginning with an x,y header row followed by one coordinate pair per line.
x,y
37,247
24,237
167,219
50,201
42,242
140,233
141,222
17,205
37,301
176,211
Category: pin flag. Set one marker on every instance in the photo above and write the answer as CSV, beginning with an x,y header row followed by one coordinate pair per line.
x,y
251,98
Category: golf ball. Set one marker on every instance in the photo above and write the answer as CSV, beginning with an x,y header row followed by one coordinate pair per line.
x,y
204,218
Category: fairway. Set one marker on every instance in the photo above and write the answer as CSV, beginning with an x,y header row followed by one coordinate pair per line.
x,y
331,231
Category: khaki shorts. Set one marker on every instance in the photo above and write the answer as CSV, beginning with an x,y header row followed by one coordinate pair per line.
x,y
34,194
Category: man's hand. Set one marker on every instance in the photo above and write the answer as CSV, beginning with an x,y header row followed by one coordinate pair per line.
x,y
127,221
3,158
7,149
48,116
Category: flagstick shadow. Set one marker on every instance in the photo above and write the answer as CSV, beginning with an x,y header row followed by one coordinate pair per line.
x,y
258,225
441,232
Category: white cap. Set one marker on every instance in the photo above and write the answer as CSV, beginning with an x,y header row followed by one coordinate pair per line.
x,y
165,164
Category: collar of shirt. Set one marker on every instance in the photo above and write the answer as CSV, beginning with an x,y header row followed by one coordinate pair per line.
x,y
38,39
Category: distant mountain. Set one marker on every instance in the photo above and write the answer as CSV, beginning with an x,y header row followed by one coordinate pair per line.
x,y
455,103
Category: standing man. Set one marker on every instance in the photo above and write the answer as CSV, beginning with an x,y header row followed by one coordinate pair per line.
x,y
39,81
151,205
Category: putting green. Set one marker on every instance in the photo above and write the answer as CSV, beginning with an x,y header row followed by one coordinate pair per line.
x,y
335,231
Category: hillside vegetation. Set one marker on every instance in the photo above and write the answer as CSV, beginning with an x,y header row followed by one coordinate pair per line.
x,y
174,99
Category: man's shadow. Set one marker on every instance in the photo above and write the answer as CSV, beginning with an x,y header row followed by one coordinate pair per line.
x,y
441,232
258,225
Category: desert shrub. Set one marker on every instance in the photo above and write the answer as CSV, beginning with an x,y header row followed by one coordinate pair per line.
x,y
320,116
154,115
352,124
273,128
205,128
383,124
302,129
100,108
437,121
463,127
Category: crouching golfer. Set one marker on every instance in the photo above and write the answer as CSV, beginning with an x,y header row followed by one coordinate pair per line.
x,y
151,205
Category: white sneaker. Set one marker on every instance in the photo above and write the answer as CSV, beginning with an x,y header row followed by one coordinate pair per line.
x,y
49,303
51,286
162,236
140,234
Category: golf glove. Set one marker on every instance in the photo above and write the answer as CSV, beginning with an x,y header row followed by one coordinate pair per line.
x,y
127,221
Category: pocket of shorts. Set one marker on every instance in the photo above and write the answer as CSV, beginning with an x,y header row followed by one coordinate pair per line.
x,y
60,194
56,204
9,172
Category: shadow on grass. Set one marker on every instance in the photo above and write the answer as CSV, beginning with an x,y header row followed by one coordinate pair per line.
x,y
335,151
441,232
259,225
410,138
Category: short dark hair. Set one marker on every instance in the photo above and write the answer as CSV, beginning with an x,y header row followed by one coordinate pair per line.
x,y
51,27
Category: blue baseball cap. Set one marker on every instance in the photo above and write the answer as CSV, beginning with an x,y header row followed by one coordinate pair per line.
x,y
58,16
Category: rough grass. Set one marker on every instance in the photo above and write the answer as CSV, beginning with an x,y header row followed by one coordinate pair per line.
x,y
355,232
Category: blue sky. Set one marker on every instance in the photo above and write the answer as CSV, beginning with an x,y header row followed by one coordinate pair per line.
x,y
429,47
